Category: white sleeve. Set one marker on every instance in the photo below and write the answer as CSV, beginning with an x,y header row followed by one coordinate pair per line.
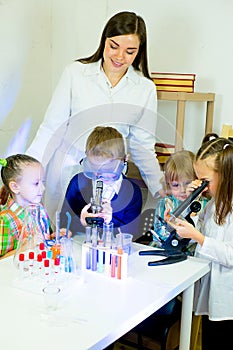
x,y
220,252
141,142
58,113
218,242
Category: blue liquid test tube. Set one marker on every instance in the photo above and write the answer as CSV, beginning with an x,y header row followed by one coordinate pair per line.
x,y
94,249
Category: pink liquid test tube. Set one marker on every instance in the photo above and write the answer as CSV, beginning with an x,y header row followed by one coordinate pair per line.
x,y
113,266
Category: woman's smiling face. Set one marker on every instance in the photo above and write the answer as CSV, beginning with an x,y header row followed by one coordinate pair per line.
x,y
120,52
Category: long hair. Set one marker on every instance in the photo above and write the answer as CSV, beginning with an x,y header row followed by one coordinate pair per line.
x,y
220,150
124,23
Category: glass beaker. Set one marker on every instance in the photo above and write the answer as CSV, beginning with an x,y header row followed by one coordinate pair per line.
x,y
67,255
31,235
108,236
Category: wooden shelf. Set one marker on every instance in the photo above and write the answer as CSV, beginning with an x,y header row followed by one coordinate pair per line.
x,y
181,98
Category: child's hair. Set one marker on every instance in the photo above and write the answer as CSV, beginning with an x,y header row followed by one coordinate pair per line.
x,y
12,167
209,136
105,142
179,166
220,151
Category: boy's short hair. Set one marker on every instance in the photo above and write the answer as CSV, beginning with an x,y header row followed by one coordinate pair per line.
x,y
105,141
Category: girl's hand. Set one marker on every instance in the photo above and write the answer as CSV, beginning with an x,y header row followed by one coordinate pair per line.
x,y
167,214
186,230
62,233
193,186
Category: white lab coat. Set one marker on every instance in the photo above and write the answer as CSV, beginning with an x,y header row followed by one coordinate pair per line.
x,y
214,293
82,100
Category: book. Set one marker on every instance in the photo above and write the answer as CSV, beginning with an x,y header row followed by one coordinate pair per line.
x,y
164,148
180,82
165,154
162,159
181,76
174,88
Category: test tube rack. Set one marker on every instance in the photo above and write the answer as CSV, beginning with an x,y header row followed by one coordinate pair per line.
x,y
38,267
111,263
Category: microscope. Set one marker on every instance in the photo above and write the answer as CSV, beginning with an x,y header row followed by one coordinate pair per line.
x,y
96,205
96,223
173,246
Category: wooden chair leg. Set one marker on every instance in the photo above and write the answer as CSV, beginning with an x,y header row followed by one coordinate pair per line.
x,y
196,324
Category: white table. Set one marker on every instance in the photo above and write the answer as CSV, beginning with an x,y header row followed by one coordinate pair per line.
x,y
99,310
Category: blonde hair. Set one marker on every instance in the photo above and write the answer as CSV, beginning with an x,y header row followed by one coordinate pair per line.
x,y
105,142
179,166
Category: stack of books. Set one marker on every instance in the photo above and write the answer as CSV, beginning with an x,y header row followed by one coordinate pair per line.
x,y
174,81
163,152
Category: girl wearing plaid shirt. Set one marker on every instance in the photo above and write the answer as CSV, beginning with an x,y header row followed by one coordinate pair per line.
x,y
23,184
22,178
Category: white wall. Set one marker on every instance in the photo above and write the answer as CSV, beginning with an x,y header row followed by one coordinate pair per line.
x,y
38,38
25,65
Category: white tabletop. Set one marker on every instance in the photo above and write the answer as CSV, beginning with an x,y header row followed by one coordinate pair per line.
x,y
97,311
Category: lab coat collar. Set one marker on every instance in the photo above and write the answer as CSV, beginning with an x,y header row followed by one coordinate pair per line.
x,y
95,68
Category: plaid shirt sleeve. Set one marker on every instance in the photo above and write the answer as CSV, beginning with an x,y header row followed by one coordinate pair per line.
x,y
8,237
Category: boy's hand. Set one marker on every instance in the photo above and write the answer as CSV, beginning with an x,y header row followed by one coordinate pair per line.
x,y
85,213
106,212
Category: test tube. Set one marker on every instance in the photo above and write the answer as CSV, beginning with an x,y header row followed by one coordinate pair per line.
x,y
39,264
21,264
31,256
100,256
94,249
46,269
113,266
56,268
94,258
88,234
107,263
120,252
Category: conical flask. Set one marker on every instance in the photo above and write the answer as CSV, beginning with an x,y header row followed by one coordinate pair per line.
x,y
31,235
